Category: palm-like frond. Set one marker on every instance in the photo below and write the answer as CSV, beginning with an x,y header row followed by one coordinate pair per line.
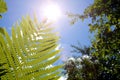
x,y
29,51
3,7
2,71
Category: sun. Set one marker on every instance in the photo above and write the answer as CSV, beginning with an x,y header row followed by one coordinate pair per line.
x,y
52,12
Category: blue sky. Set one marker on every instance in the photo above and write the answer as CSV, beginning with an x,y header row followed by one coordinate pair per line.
x,y
70,34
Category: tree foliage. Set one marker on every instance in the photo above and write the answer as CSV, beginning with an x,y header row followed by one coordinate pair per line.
x,y
105,15
79,49
83,67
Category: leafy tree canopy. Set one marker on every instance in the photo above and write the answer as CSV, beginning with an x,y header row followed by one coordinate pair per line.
x,y
105,48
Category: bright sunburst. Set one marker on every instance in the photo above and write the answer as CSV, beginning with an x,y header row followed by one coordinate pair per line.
x,y
52,12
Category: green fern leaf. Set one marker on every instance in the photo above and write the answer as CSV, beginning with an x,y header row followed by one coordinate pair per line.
x,y
29,51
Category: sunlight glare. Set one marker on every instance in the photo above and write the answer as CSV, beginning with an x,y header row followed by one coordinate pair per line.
x,y
52,12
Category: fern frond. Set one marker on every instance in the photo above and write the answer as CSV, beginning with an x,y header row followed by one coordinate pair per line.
x,y
29,50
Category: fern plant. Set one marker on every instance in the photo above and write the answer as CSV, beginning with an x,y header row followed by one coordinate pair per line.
x,y
29,51
3,7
